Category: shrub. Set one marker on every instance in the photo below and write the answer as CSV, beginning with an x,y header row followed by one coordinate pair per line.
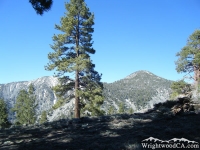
x,y
43,118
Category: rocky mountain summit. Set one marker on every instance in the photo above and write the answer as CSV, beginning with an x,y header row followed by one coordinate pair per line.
x,y
139,91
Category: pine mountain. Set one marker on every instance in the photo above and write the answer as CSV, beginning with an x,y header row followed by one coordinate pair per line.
x,y
139,90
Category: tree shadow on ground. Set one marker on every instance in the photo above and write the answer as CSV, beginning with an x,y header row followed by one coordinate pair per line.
x,y
115,132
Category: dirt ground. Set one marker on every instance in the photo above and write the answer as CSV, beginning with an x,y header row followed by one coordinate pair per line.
x,y
115,132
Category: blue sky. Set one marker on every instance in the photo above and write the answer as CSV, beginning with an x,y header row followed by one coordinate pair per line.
x,y
130,35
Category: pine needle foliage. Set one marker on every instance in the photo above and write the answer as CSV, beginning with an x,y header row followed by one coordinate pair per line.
x,y
72,49
25,107
3,114
92,91
41,6
58,104
180,87
131,111
111,110
43,118
121,108
189,56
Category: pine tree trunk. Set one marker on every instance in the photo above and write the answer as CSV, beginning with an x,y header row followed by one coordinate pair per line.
x,y
77,108
195,77
77,100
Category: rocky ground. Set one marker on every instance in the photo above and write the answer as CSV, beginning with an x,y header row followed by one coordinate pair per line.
x,y
115,132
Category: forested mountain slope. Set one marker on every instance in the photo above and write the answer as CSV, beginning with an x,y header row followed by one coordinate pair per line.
x,y
138,90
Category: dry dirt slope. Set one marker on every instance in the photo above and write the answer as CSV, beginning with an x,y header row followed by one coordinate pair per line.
x,y
115,132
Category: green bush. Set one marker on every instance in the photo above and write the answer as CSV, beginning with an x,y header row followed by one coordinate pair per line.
x,y
121,108
131,111
180,87
173,95
111,110
43,118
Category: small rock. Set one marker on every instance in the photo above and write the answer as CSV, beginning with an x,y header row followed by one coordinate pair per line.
x,y
84,125
8,143
19,141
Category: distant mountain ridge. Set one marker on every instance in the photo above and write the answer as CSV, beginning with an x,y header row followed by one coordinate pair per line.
x,y
45,97
139,90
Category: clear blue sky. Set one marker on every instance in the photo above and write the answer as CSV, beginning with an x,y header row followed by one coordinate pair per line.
x,y
130,35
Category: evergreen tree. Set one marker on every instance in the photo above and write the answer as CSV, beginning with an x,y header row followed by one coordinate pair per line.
x,y
58,104
131,111
92,91
31,89
111,110
43,118
3,114
189,57
179,87
25,107
121,108
72,49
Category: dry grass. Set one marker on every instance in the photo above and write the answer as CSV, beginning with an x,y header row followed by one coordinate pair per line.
x,y
115,132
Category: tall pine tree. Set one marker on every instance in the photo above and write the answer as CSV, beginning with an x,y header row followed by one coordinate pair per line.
x,y
71,54
189,57
25,107
3,114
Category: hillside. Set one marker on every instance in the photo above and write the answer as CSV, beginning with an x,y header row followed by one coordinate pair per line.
x,y
45,97
139,90
115,132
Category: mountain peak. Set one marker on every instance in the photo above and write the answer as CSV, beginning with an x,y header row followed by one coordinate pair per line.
x,y
138,72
